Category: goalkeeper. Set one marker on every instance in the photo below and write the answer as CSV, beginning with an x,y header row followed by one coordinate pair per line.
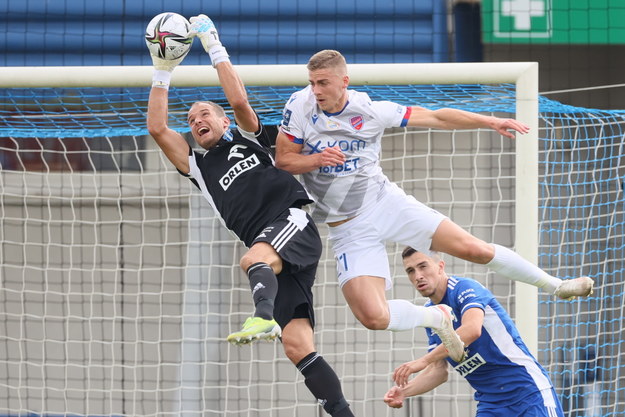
x,y
507,379
261,204
331,135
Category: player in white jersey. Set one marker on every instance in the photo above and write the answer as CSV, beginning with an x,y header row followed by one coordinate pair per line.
x,y
507,379
355,185
331,136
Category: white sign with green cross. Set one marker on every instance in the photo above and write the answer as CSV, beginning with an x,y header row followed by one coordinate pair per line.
x,y
554,21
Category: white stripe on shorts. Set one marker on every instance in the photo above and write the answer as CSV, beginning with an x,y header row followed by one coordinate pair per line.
x,y
297,221
284,236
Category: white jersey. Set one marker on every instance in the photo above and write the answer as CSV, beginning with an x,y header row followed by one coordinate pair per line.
x,y
343,191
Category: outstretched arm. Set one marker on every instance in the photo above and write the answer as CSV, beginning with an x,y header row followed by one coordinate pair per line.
x,y
431,377
431,368
472,322
231,83
171,142
460,119
237,97
435,358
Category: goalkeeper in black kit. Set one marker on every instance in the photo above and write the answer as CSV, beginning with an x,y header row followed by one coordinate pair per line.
x,y
261,204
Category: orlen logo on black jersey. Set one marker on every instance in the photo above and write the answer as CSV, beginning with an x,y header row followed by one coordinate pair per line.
x,y
238,169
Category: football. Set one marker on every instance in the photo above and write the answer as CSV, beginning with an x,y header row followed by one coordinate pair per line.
x,y
167,36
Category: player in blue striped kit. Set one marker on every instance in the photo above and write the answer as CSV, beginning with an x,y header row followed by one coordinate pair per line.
x,y
506,377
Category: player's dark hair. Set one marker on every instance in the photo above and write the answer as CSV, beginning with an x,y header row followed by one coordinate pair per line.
x,y
408,251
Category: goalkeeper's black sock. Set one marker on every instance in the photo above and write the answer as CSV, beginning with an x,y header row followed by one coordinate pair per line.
x,y
264,285
322,381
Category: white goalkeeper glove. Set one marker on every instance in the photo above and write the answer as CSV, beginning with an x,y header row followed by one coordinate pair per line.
x,y
161,77
204,28
165,64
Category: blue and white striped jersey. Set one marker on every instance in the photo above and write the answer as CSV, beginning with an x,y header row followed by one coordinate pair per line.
x,y
499,365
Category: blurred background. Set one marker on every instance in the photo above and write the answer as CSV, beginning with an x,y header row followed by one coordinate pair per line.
x,y
579,44
118,282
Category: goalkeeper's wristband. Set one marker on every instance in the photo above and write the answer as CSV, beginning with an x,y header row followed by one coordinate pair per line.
x,y
161,79
218,54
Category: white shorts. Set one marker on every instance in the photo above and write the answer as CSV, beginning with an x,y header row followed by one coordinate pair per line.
x,y
359,244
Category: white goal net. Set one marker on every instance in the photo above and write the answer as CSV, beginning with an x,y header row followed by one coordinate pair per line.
x,y
118,284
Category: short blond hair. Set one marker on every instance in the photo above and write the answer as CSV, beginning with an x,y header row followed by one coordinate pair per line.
x,y
328,58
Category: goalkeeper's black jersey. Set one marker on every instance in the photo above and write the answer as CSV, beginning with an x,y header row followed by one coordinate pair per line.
x,y
240,181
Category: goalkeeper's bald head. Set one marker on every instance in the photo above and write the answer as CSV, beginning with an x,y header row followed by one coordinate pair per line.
x,y
328,58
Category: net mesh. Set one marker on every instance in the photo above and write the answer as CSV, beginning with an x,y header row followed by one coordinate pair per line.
x,y
118,283
97,112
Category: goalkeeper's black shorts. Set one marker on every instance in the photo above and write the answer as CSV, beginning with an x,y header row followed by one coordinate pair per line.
x,y
296,239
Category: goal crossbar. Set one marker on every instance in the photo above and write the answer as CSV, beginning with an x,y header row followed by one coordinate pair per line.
x,y
523,74
263,75
118,283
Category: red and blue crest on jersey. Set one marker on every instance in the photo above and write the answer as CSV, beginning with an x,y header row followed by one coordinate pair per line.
x,y
357,122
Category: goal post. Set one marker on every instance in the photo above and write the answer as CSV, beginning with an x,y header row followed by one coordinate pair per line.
x,y
524,75
118,283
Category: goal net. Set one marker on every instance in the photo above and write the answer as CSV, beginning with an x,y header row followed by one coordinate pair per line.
x,y
118,284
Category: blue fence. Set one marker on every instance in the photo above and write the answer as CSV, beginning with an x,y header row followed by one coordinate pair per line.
x,y
88,32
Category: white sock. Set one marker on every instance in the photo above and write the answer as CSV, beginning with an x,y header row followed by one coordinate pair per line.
x,y
511,265
407,316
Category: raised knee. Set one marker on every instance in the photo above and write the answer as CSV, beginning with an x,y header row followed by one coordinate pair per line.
x,y
261,252
245,262
295,350
249,259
